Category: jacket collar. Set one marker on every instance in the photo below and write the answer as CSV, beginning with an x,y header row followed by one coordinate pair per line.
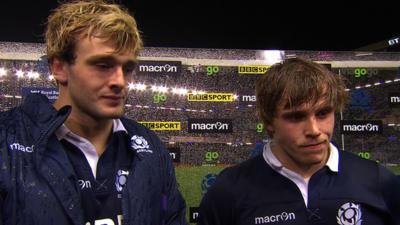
x,y
41,118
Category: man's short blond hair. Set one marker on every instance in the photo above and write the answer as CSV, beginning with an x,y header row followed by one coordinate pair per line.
x,y
95,18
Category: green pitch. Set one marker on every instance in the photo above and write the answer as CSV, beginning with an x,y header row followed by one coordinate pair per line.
x,y
189,180
394,169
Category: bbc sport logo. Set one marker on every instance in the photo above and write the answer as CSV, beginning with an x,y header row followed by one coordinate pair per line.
x,y
253,69
211,97
157,125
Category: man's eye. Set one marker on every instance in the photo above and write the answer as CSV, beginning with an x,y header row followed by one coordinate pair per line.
x,y
129,70
323,113
295,117
103,65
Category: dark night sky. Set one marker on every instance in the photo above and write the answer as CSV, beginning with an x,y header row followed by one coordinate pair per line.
x,y
288,25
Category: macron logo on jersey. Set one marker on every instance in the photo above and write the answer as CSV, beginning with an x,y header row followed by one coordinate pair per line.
x,y
84,184
22,148
284,216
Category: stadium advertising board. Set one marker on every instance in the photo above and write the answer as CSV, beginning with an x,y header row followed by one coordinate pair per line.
x,y
51,93
210,125
159,67
361,126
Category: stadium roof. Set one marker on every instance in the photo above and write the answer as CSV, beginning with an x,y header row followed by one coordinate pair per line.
x,y
326,26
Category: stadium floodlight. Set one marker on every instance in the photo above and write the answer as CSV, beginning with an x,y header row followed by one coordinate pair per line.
x,y
154,88
358,87
30,74
235,97
195,92
388,81
33,75
162,89
131,86
140,87
175,90
271,57
183,91
179,91
377,83
3,71
396,80
51,77
368,85
19,73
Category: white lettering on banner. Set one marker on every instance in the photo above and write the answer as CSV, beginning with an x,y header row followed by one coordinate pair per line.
x,y
365,127
166,68
393,41
210,126
395,99
248,98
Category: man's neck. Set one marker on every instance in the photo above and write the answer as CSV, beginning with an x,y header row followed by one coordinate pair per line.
x,y
96,132
305,170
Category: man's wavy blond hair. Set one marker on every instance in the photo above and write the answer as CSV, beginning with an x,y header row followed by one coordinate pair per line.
x,y
75,20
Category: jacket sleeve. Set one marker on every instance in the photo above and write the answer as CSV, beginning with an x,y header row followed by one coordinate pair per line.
x,y
390,186
217,205
173,202
4,164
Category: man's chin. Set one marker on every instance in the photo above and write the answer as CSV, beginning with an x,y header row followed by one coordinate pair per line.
x,y
113,114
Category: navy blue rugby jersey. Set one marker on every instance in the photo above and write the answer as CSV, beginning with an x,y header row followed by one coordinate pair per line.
x,y
252,193
101,195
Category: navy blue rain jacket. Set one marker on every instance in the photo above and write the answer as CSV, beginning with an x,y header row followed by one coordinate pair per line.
x,y
38,185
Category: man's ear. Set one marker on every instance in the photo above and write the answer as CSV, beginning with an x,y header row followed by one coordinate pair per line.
x,y
270,129
59,71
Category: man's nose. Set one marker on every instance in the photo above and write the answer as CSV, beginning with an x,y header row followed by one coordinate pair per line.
x,y
118,79
312,128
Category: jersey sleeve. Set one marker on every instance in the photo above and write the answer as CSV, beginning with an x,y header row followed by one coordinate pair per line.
x,y
390,185
217,205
